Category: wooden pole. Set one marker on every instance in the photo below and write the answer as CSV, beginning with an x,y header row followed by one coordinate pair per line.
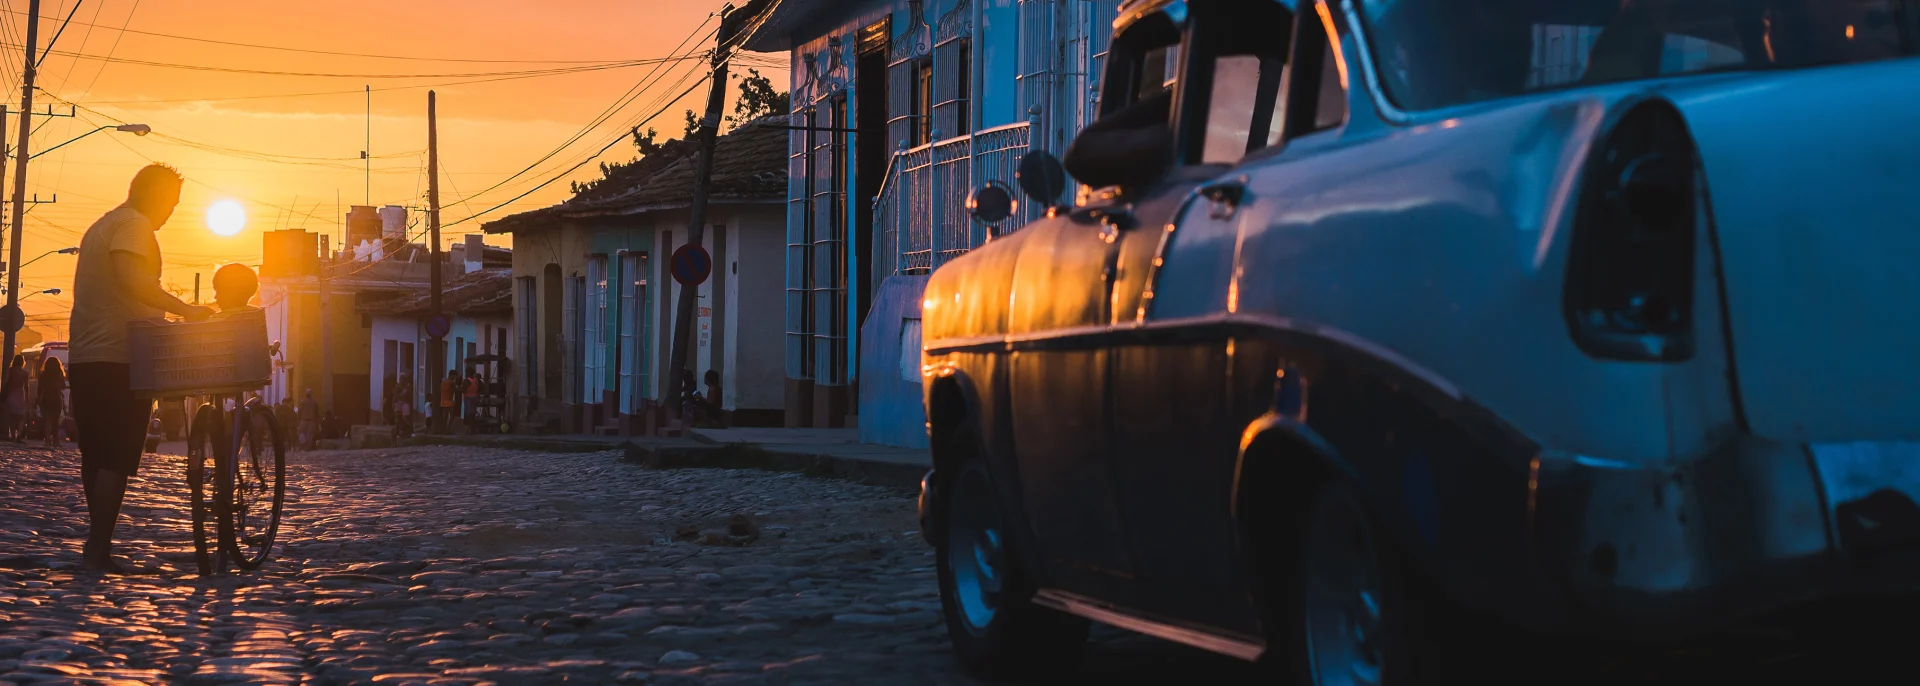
x,y
20,174
697,211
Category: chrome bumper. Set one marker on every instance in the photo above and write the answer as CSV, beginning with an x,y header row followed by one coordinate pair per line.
x,y
1686,546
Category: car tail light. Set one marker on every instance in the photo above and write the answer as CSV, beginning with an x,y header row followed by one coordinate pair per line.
x,y
1630,278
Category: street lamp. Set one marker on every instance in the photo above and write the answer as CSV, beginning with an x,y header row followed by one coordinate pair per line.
x,y
62,251
50,291
135,129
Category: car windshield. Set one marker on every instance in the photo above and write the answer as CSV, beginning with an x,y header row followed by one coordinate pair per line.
x,y
1436,53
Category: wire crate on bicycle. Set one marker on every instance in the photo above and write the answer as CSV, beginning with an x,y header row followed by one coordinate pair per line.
x,y
236,456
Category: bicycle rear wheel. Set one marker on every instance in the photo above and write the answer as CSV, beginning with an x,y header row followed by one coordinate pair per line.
x,y
258,488
205,441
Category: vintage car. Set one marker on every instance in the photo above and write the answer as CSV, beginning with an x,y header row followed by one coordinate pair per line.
x,y
1375,317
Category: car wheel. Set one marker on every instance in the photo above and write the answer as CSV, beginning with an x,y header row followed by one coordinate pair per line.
x,y
997,632
1352,614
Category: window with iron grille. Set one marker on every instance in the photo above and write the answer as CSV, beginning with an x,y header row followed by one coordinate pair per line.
x,y
800,246
594,329
953,77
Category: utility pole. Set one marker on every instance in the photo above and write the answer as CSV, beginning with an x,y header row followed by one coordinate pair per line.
x,y
697,212
20,179
3,156
326,312
438,342
367,154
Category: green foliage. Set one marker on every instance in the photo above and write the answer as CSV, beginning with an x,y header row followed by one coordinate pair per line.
x,y
757,99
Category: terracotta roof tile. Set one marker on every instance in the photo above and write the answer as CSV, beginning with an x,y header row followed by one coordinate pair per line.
x,y
749,164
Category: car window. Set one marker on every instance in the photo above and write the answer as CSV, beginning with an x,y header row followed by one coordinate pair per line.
x,y
1331,109
1436,53
1235,102
1159,72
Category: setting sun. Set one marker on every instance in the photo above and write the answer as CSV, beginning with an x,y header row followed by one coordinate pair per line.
x,y
226,218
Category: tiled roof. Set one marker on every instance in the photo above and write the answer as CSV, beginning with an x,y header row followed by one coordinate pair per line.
x,y
488,291
749,165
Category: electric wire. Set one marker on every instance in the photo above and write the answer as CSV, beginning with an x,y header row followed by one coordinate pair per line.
x,y
652,77
601,66
331,52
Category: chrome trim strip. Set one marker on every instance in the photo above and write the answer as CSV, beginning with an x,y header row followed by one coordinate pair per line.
x,y
1007,343
1358,30
1160,257
1114,616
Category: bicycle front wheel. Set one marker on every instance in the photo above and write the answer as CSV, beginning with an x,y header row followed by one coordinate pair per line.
x,y
205,441
259,487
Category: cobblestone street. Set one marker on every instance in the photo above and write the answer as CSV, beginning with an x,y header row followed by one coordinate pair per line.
x,y
458,565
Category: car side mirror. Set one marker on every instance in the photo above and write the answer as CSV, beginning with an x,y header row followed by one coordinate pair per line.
x,y
992,203
1042,177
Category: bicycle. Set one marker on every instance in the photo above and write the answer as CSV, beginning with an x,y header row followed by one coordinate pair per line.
x,y
248,474
236,459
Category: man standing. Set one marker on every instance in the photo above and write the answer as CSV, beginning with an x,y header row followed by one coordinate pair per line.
x,y
450,390
117,281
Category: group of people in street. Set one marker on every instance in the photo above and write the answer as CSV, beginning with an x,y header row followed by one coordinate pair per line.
x,y
35,404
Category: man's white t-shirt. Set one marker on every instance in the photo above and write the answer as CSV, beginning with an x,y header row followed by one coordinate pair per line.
x,y
101,306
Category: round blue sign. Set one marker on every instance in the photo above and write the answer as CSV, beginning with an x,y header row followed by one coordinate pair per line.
x,y
691,265
438,326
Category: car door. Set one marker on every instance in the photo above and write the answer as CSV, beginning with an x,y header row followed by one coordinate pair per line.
x,y
1061,314
1181,384
1056,387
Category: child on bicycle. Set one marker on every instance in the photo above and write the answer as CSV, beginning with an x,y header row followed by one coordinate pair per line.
x,y
234,286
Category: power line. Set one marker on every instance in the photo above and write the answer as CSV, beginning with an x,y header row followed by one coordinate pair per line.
x,y
331,52
619,103
598,66
570,170
630,126
356,91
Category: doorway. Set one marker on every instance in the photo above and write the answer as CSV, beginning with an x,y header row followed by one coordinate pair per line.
x,y
550,338
871,165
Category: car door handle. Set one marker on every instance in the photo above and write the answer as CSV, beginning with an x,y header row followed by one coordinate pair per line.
x,y
1224,198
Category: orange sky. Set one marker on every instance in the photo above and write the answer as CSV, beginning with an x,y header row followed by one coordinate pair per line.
x,y
285,158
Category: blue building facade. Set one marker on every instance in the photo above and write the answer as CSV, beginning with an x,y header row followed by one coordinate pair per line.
x,y
900,109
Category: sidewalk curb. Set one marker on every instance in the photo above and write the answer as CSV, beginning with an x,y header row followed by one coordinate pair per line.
x,y
529,443
707,453
887,474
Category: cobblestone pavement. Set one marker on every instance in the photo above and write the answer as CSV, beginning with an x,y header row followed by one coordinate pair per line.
x,y
464,566
454,565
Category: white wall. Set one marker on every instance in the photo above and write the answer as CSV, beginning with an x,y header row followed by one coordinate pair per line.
x,y
273,297
402,330
755,375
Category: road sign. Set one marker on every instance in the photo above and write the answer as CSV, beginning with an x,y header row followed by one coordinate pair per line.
x,y
438,326
12,320
692,265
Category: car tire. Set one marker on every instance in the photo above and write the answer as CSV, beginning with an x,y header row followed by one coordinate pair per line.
x,y
1353,622
986,590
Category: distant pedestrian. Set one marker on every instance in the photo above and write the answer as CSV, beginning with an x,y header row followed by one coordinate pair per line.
x,y
53,399
707,405
309,421
284,415
403,406
386,393
450,388
469,403
16,399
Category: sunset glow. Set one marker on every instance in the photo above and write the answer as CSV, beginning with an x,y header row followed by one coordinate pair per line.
x,y
268,106
226,218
